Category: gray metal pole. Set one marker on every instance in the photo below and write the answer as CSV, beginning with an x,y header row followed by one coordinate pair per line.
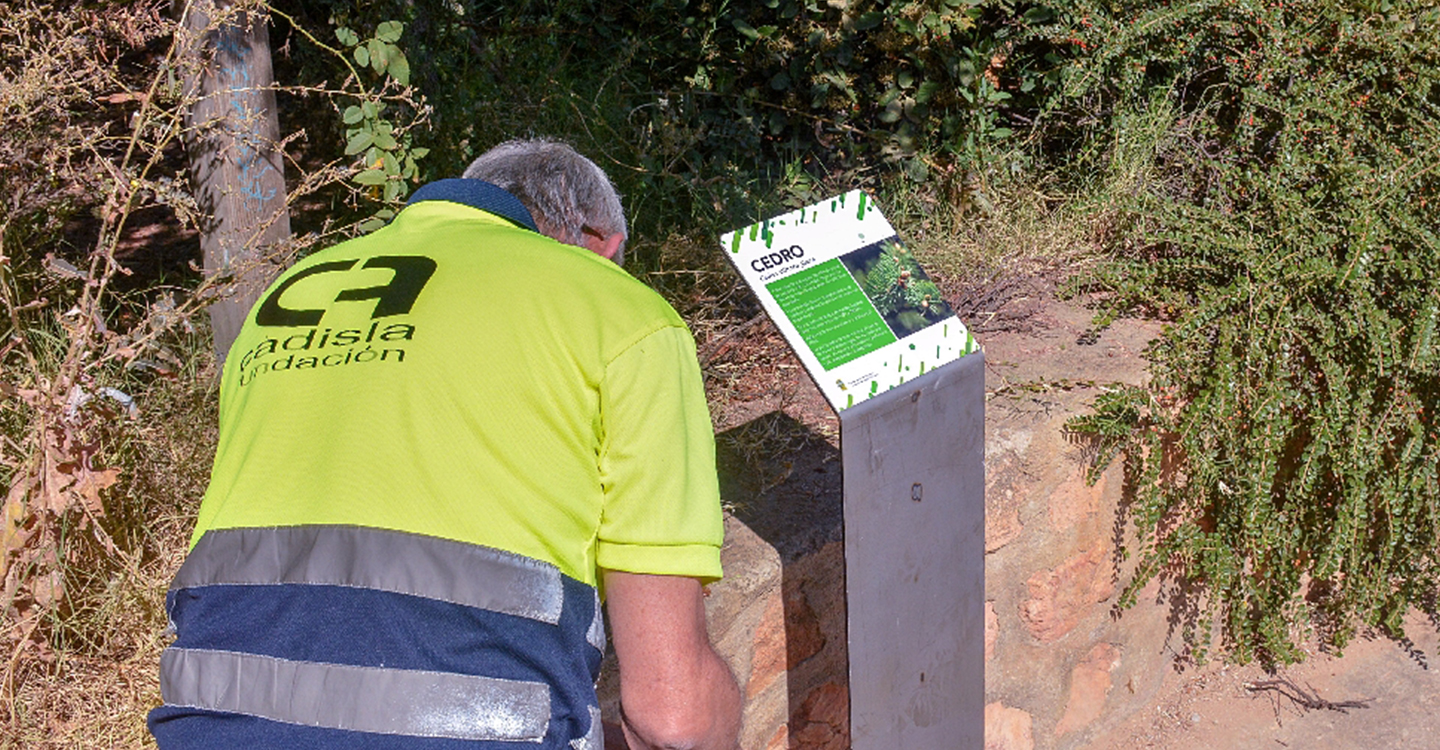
x,y
915,561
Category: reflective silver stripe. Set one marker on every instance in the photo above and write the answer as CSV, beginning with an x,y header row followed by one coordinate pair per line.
x,y
394,561
595,635
362,699
593,739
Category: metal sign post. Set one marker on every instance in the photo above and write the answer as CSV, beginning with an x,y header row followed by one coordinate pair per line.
x,y
914,477
908,381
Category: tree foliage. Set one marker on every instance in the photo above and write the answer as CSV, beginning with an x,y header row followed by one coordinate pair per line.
x,y
700,108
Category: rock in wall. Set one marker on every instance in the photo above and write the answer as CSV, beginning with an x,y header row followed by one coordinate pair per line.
x,y
1060,665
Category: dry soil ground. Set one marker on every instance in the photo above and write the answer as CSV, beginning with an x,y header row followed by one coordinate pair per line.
x,y
1379,695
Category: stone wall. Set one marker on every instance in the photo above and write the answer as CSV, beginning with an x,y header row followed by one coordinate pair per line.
x,y
1060,665
780,624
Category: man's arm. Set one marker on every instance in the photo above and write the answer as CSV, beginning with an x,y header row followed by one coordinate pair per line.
x,y
675,691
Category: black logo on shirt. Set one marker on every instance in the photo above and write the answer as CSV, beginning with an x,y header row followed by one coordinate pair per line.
x,y
316,348
396,298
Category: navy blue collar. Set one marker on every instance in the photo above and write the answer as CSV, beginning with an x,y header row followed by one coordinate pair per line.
x,y
476,194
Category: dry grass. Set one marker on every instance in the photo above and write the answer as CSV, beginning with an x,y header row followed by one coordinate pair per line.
x,y
107,384
1017,227
75,701
92,680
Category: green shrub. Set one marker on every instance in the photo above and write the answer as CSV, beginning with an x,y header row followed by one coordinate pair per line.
x,y
1285,455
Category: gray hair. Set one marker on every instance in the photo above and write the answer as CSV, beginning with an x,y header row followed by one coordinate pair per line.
x,y
564,192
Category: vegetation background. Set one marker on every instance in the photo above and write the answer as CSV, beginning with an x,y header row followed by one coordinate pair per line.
x,y
1260,173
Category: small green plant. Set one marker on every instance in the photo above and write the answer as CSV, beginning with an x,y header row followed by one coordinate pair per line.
x,y
390,160
386,160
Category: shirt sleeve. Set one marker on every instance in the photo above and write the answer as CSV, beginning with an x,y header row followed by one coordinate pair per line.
x,y
657,462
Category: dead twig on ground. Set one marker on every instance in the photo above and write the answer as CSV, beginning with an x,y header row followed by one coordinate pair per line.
x,y
712,348
1305,697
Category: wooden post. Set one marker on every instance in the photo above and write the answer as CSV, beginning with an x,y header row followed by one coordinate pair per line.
x,y
236,166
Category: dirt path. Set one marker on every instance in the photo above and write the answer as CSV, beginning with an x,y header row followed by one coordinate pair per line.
x,y
1376,696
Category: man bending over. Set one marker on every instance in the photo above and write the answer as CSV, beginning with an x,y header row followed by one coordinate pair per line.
x,y
438,444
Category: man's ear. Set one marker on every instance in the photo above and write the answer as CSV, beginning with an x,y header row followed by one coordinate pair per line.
x,y
607,246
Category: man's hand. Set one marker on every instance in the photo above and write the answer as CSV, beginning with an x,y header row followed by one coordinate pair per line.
x,y
675,691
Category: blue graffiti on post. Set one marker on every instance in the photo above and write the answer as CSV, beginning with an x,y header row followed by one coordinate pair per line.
x,y
248,144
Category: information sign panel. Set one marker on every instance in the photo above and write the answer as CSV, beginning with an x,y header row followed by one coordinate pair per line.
x,y
879,340
847,294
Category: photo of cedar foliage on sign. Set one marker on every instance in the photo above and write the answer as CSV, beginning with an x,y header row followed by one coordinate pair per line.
x,y
891,277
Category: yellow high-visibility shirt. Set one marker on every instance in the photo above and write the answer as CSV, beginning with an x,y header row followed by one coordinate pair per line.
x,y
456,375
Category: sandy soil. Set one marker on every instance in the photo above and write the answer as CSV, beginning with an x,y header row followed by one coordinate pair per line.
x,y
1379,695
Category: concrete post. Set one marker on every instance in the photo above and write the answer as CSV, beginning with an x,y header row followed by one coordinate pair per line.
x,y
914,480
